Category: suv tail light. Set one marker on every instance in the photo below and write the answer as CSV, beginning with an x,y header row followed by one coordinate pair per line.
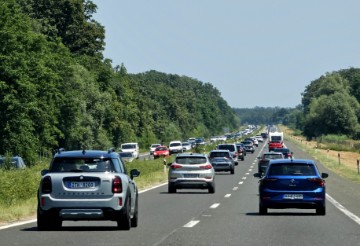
x,y
46,186
175,166
207,166
319,182
117,185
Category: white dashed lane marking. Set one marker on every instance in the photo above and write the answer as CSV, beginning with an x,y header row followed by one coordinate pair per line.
x,y
227,195
192,223
241,182
235,188
215,205
243,178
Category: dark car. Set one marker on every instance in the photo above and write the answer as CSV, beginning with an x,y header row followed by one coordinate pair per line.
x,y
292,183
221,160
249,146
285,151
241,151
265,158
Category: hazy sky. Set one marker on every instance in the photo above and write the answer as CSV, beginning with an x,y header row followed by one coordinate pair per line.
x,y
255,52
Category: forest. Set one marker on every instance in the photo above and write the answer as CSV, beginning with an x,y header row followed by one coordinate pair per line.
x,y
58,90
329,106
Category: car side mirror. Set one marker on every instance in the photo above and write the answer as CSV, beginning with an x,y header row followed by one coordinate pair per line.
x,y
44,172
258,175
258,157
324,175
134,173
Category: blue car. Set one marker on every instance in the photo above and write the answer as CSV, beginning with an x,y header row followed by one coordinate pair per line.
x,y
292,183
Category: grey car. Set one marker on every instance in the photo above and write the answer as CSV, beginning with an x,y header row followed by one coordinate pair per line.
x,y
87,185
191,171
222,161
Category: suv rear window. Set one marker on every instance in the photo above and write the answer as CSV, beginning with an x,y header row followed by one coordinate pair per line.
x,y
65,164
219,154
191,160
228,147
292,169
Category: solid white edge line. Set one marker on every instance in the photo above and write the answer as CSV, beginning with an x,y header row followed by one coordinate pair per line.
x,y
34,220
191,223
343,209
18,224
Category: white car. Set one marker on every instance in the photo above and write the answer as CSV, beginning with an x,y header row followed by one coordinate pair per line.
x,y
87,185
130,147
186,146
153,147
175,147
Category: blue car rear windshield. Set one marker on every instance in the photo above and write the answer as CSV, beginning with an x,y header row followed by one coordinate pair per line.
x,y
292,169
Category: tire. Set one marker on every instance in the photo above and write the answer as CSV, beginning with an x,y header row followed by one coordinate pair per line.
x,y
232,171
212,189
124,223
135,218
236,163
48,223
321,211
262,210
171,188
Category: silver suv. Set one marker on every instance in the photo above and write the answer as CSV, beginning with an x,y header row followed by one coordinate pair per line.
x,y
87,185
191,171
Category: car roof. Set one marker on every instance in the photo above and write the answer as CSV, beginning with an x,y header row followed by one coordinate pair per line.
x,y
295,161
220,150
87,153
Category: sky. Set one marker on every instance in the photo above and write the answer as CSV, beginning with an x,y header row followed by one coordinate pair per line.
x,y
257,53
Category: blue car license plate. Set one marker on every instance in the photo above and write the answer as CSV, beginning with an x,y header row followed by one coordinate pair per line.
x,y
293,196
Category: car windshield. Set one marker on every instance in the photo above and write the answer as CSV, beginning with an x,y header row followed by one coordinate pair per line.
x,y
71,164
128,146
292,169
191,160
175,144
160,148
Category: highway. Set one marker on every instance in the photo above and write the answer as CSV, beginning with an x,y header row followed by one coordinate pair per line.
x,y
228,217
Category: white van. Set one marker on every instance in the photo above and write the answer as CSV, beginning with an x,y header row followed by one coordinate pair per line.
x,y
175,147
132,148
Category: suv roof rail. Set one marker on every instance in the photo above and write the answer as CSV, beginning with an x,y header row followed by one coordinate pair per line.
x,y
61,150
112,149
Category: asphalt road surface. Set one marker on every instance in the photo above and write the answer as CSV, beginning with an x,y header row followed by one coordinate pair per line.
x,y
228,217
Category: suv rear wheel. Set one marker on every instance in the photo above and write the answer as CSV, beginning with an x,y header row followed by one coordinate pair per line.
x,y
124,223
212,188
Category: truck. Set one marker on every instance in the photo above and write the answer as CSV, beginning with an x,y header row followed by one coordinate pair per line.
x,y
276,140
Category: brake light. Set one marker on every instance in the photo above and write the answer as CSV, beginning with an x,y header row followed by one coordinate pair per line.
x,y
46,185
117,185
319,182
175,166
207,166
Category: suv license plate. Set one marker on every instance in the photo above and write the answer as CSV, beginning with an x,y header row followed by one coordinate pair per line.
x,y
293,196
80,185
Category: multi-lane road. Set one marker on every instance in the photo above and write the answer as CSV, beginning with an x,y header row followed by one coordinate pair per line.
x,y
228,217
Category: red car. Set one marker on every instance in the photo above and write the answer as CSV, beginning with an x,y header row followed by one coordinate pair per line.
x,y
161,151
